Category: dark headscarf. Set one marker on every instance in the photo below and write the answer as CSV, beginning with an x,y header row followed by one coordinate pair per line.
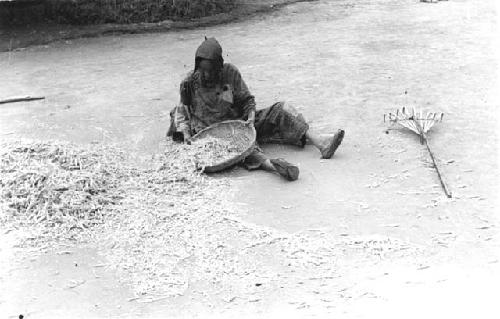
x,y
210,49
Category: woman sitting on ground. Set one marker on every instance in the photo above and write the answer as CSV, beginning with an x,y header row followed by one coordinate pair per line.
x,y
215,92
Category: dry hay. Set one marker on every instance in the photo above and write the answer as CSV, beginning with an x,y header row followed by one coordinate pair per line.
x,y
212,151
57,188
167,242
164,233
174,228
166,227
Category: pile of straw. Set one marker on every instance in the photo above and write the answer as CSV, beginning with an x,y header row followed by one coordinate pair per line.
x,y
213,151
163,227
57,188
161,236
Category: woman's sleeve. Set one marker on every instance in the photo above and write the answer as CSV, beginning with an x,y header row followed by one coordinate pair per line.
x,y
185,92
181,116
242,96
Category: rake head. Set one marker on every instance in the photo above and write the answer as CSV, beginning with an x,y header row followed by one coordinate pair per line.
x,y
414,120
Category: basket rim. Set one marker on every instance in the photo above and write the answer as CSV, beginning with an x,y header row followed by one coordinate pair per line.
x,y
237,158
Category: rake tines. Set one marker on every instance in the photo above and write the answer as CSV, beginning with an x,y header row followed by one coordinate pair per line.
x,y
419,123
414,120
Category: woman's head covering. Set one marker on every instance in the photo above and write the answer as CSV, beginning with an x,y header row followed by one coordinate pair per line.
x,y
210,49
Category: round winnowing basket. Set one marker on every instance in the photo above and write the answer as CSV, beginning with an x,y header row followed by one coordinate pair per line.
x,y
236,133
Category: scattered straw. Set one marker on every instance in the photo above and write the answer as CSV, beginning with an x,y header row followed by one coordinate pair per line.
x,y
163,227
57,188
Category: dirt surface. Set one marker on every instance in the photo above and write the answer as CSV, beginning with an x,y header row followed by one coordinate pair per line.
x,y
366,234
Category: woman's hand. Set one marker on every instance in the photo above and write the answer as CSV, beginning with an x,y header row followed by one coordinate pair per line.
x,y
251,118
187,137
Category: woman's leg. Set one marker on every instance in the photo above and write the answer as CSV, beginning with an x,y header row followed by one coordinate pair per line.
x,y
314,139
257,160
281,123
326,145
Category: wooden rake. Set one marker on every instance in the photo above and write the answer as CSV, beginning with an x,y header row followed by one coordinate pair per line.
x,y
420,123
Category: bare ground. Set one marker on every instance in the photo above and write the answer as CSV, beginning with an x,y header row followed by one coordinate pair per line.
x,y
367,234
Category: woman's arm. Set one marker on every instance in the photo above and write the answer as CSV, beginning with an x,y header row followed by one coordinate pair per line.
x,y
243,99
182,115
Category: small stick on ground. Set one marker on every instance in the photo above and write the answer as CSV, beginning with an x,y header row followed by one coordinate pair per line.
x,y
22,99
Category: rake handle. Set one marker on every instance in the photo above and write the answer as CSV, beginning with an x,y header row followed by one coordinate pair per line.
x,y
443,184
